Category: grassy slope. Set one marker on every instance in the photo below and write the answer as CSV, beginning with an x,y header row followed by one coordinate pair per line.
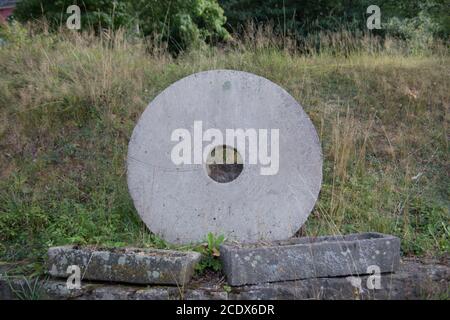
x,y
68,106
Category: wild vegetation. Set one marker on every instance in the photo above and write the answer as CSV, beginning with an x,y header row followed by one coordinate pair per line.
x,y
189,23
69,102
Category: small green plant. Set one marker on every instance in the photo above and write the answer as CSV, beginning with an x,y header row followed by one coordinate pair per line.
x,y
27,289
226,288
210,253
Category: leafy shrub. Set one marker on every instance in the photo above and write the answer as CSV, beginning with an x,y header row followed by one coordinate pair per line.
x,y
12,32
182,23
419,31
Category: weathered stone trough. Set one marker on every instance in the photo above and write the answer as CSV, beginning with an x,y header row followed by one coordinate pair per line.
x,y
129,265
302,258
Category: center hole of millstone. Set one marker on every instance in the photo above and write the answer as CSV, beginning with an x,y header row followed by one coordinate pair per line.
x,y
224,164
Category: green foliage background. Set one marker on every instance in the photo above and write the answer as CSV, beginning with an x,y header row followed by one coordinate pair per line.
x,y
182,23
189,23
302,17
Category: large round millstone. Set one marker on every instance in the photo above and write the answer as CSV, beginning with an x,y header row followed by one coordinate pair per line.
x,y
182,190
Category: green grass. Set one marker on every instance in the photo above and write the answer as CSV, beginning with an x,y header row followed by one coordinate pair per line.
x,y
69,102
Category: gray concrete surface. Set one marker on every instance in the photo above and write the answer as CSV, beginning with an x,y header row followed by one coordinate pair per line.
x,y
129,265
301,258
413,280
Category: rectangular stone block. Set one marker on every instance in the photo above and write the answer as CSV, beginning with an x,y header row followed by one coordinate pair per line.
x,y
302,258
130,265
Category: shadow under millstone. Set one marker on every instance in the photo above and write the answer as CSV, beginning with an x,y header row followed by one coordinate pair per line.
x,y
224,173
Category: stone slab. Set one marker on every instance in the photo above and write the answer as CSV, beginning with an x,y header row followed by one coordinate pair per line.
x,y
181,203
413,280
129,265
301,258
